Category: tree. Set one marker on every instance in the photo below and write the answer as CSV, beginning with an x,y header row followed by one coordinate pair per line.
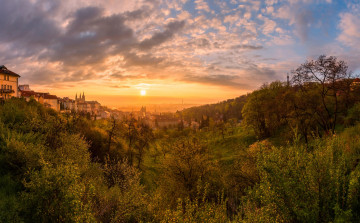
x,y
328,77
130,133
188,163
144,137
266,110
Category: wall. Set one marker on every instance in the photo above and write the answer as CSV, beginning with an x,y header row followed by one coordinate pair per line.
x,y
13,82
53,104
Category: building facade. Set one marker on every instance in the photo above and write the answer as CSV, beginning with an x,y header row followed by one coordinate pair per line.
x,y
81,105
48,100
9,82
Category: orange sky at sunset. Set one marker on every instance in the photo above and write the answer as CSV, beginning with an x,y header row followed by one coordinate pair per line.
x,y
202,51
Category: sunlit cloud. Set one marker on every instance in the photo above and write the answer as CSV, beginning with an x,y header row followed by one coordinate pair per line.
x,y
125,46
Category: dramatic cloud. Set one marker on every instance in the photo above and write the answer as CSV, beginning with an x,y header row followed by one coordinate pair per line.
x,y
160,37
90,37
234,45
220,80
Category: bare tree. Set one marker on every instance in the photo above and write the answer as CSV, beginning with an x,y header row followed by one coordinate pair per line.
x,y
325,79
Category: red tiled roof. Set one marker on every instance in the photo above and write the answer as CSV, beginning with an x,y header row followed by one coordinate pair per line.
x,y
28,93
49,96
37,94
4,70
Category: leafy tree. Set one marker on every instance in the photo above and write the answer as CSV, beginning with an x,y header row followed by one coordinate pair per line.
x,y
124,199
298,185
56,194
188,163
265,110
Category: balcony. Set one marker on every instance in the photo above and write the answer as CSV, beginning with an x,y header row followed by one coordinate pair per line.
x,y
7,91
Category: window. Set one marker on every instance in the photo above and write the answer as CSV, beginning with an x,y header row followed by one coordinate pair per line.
x,y
10,87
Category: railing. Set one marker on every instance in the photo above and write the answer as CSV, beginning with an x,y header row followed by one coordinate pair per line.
x,y
6,91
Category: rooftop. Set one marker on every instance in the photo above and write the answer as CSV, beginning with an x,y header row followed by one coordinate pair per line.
x,y
4,70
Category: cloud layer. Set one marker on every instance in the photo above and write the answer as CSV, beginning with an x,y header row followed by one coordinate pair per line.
x,y
235,44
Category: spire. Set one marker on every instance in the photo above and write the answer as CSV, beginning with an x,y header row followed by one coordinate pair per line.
x,y
76,96
83,96
288,81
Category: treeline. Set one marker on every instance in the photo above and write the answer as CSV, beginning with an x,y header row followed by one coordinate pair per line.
x,y
294,158
222,111
319,99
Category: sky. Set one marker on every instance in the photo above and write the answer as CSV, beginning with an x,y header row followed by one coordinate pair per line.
x,y
197,51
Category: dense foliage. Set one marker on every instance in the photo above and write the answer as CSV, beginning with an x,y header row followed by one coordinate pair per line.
x,y
293,158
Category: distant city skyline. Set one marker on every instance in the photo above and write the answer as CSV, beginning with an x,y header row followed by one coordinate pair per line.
x,y
197,50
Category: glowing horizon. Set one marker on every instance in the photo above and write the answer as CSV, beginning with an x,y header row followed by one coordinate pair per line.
x,y
194,49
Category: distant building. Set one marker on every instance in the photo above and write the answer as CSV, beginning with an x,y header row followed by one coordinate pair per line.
x,y
28,95
104,115
9,83
51,101
62,104
67,104
48,100
81,105
24,87
355,84
161,121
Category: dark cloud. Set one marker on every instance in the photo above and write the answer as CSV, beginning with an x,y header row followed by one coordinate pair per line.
x,y
255,72
200,43
245,76
27,27
119,76
138,14
161,37
217,80
247,47
91,37
132,59
76,46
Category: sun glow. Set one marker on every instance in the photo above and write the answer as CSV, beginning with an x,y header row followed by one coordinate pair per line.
x,y
143,92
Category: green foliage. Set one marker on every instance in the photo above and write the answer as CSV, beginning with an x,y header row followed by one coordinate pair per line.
x,y
58,167
229,109
298,185
56,194
10,205
265,110
123,199
353,115
198,210
181,170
